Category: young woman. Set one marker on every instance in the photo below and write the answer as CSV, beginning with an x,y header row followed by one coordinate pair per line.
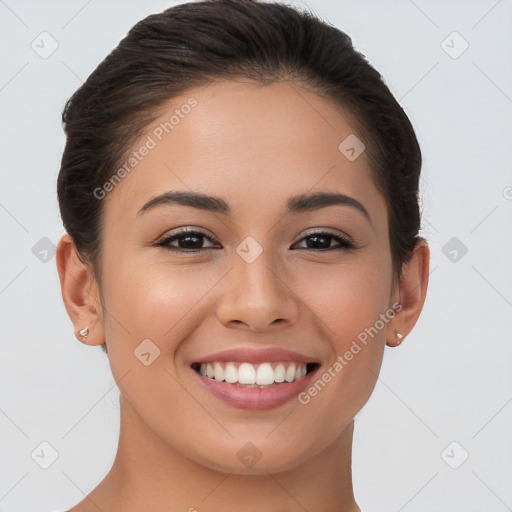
x,y
240,194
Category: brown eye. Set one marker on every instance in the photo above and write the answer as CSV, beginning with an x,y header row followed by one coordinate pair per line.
x,y
321,241
186,241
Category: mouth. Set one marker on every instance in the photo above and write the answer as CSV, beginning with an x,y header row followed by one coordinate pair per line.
x,y
255,379
252,376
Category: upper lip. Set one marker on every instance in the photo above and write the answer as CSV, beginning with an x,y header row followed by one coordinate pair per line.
x,y
256,356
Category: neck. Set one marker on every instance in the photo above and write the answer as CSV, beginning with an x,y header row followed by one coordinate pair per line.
x,y
148,474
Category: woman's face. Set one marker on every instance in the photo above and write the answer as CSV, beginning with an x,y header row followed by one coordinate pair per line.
x,y
262,280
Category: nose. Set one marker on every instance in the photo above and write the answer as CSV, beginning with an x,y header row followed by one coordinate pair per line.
x,y
257,297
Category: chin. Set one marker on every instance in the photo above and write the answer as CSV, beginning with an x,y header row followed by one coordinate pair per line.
x,y
255,458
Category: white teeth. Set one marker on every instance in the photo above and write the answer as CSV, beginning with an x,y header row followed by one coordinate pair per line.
x,y
279,373
290,373
264,375
218,372
230,373
247,374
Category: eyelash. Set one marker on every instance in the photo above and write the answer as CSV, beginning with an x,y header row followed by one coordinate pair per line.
x,y
345,244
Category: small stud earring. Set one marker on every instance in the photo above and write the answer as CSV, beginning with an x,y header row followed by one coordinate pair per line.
x,y
84,332
399,338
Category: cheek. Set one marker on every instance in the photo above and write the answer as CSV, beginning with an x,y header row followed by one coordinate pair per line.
x,y
348,298
353,309
155,300
165,304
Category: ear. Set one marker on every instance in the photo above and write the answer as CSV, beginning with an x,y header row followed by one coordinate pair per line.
x,y
80,293
410,294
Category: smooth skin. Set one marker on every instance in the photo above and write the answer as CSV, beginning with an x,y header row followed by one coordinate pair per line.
x,y
255,147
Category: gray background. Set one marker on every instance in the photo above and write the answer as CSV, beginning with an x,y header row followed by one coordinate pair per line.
x,y
451,380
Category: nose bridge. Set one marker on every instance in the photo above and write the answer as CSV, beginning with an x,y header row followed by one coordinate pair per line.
x,y
256,294
258,277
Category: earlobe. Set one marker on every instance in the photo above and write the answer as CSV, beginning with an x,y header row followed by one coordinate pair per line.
x,y
80,293
412,291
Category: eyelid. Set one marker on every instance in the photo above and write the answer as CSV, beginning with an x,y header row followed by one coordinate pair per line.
x,y
312,231
184,230
327,231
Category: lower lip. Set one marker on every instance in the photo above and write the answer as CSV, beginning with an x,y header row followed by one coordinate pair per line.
x,y
255,398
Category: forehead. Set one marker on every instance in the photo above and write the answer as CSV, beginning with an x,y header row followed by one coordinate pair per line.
x,y
252,144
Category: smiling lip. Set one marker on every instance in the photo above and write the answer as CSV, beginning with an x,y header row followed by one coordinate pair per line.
x,y
257,356
256,398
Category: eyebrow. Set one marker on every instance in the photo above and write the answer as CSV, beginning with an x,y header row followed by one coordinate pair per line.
x,y
297,204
